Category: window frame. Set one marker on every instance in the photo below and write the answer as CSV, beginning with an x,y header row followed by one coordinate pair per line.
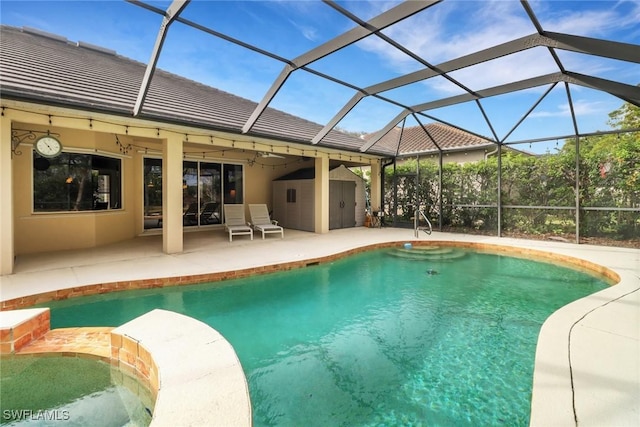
x,y
93,210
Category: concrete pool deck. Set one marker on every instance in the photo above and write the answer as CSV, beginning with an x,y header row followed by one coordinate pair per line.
x,y
588,355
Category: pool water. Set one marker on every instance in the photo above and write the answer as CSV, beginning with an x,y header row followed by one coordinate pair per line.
x,y
45,390
374,339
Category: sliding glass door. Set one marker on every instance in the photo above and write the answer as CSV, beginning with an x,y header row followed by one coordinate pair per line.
x,y
152,184
210,193
205,187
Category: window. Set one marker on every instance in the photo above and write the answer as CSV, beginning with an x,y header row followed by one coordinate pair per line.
x,y
205,187
76,182
291,195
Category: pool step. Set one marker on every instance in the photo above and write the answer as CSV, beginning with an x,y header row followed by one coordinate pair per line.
x,y
428,253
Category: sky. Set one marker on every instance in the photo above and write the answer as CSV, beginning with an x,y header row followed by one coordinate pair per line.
x,y
444,31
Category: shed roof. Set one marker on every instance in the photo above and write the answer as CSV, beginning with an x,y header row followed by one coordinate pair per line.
x,y
310,173
304,173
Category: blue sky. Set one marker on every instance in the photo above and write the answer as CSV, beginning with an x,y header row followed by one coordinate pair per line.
x,y
289,28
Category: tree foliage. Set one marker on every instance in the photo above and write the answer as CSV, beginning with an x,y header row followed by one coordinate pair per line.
x,y
538,193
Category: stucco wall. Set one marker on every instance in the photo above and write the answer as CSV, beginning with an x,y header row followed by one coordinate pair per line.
x,y
44,232
41,232
472,155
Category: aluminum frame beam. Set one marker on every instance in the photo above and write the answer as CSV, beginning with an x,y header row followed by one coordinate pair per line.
x,y
385,19
525,115
604,48
551,40
172,12
628,93
623,91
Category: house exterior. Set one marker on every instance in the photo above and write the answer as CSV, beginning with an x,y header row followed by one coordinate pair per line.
x,y
120,175
130,165
428,142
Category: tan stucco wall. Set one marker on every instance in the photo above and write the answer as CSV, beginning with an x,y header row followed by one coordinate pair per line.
x,y
458,156
6,197
258,179
42,232
95,133
39,232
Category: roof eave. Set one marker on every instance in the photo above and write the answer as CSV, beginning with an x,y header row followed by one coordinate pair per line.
x,y
447,150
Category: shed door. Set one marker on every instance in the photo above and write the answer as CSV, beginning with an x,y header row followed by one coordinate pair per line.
x,y
342,204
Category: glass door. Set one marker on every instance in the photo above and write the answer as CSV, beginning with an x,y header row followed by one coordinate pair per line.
x,y
205,187
210,193
190,204
152,193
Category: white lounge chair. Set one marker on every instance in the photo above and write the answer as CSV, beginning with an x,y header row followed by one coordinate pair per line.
x,y
260,221
235,223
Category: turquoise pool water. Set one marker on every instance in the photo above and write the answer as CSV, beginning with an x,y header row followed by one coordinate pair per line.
x,y
374,339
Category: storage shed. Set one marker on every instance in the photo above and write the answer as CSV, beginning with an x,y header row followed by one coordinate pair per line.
x,y
294,199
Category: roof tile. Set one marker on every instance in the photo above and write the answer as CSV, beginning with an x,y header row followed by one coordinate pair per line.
x,y
46,68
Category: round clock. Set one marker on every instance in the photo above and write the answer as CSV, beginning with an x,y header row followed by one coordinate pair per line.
x,y
48,146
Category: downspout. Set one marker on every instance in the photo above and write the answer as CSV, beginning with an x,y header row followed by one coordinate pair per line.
x,y
490,153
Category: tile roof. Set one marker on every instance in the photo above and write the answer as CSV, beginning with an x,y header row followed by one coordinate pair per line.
x,y
44,68
416,141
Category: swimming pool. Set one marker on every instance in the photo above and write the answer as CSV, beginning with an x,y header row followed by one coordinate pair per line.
x,y
373,339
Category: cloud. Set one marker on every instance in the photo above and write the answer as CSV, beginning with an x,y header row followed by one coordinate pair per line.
x,y
307,31
616,16
580,108
450,30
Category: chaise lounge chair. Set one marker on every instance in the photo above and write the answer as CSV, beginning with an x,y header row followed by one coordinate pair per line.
x,y
260,221
235,223
190,216
209,214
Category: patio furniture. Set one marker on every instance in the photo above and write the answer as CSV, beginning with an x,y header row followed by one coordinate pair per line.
x,y
235,223
209,214
190,216
261,221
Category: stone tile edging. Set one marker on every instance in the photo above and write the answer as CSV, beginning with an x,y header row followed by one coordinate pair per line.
x,y
21,327
101,288
191,369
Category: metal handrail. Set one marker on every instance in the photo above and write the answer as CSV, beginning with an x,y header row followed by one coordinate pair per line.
x,y
417,221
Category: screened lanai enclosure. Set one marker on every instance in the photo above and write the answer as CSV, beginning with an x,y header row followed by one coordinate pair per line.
x,y
551,90
586,192
498,117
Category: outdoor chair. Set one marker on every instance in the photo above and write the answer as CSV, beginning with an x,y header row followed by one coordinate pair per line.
x,y
190,216
209,214
260,221
234,221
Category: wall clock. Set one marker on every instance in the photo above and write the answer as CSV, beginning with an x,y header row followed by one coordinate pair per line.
x,y
48,146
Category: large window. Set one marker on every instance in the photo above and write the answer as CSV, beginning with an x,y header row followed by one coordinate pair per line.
x,y
205,187
76,182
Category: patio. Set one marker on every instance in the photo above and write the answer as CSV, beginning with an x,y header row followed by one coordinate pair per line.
x,y
588,352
